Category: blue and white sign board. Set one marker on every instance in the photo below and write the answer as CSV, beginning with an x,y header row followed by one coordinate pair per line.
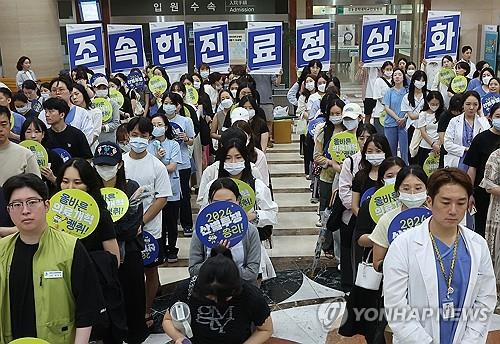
x,y
151,249
312,38
442,34
65,156
488,101
378,39
311,127
126,47
85,46
367,194
264,47
405,220
136,81
211,45
169,46
220,221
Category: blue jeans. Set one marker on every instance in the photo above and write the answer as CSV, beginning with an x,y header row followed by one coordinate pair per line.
x,y
397,135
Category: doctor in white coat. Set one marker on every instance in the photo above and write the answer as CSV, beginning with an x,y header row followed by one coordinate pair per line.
x,y
433,271
457,138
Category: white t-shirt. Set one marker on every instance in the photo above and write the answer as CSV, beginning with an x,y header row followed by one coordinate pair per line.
x,y
428,120
149,171
370,83
379,234
212,94
407,107
379,89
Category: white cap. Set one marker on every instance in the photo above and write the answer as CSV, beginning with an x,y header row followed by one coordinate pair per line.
x,y
100,81
352,110
239,114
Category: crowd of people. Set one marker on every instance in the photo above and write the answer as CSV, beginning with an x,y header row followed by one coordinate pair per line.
x,y
168,145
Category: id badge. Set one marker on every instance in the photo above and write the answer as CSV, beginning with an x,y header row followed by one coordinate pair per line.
x,y
448,310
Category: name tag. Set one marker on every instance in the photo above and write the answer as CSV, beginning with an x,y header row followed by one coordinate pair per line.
x,y
52,274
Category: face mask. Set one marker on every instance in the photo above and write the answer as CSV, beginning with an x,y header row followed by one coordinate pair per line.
x,y
375,158
233,92
486,80
158,131
390,181
106,172
335,119
24,109
433,108
410,72
226,103
350,124
413,200
388,73
169,109
197,85
322,87
124,147
496,123
419,84
234,168
310,86
204,74
251,113
101,93
138,144
45,96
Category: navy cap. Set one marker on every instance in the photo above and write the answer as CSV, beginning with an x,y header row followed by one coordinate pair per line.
x,y
107,153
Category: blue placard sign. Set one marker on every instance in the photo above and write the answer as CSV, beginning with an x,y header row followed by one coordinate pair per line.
x,y
368,193
211,45
221,221
85,46
126,47
168,45
488,101
136,81
378,40
312,41
442,34
264,47
151,249
405,220
311,127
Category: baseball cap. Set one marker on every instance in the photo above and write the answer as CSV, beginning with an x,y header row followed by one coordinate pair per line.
x,y
239,114
352,110
100,81
107,153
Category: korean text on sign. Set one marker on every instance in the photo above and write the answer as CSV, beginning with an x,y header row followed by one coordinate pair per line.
x,y
264,47
211,45
313,42
126,48
378,39
85,46
168,45
443,31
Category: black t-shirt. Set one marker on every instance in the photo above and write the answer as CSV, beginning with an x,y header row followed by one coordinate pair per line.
x,y
230,324
362,182
479,151
444,121
259,127
84,287
70,139
105,230
364,225
127,227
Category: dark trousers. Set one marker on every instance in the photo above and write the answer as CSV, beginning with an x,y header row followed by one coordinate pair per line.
x,y
131,274
185,211
308,153
346,270
169,226
482,199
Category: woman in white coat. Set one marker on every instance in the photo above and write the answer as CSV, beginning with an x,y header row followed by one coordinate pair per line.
x,y
462,129
448,294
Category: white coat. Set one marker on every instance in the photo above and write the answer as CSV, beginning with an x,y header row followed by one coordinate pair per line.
x,y
454,135
411,281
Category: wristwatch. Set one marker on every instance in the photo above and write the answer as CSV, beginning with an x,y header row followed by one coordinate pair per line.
x,y
256,220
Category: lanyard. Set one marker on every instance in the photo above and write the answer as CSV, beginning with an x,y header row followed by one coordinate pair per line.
x,y
448,280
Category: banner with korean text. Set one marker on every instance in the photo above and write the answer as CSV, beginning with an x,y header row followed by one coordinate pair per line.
x,y
126,47
442,34
264,47
211,45
85,46
168,46
378,39
312,39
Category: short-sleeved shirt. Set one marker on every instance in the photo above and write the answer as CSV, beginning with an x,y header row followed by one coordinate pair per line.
x,y
172,154
264,85
380,88
379,234
149,171
259,127
223,324
183,124
393,99
407,107
428,120
18,122
361,183
72,140
104,231
479,151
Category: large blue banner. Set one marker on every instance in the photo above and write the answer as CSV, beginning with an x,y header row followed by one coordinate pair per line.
x,y
168,45
126,47
85,46
378,39
264,47
312,41
443,31
211,45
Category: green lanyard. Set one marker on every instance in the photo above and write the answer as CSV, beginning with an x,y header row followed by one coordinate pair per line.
x,y
448,279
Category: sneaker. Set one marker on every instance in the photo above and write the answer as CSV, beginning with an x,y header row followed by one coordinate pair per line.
x,y
319,224
314,200
188,232
172,258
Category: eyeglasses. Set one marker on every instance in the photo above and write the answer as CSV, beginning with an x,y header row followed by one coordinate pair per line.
x,y
19,205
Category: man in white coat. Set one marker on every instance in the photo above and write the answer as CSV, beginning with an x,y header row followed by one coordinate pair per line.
x,y
439,284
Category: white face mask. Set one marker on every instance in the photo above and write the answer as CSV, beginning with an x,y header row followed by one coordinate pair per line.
x,y
158,131
419,84
45,96
410,72
24,109
124,147
433,108
251,113
486,80
322,87
101,93
310,86
204,74
375,158
234,168
388,73
413,200
107,172
233,92
390,181
169,109
335,119
350,123
226,103
197,85
138,144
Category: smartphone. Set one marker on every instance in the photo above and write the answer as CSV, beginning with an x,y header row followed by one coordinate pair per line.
x,y
473,211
